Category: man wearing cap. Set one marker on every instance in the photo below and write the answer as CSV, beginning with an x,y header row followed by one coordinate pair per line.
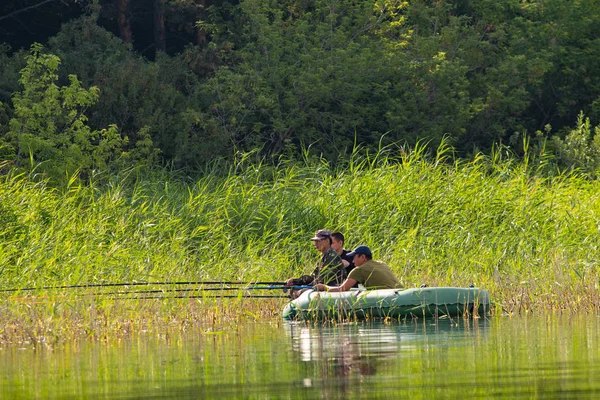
x,y
330,271
368,272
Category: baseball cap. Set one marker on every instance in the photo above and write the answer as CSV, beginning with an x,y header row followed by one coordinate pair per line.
x,y
322,234
360,250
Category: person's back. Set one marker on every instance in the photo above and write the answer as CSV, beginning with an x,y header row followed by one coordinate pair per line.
x,y
375,275
368,272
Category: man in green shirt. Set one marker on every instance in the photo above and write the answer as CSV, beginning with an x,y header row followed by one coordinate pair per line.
x,y
368,272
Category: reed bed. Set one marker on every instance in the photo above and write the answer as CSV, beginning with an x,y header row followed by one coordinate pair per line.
x,y
529,238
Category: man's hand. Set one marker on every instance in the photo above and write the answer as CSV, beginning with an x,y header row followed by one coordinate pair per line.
x,y
321,288
289,282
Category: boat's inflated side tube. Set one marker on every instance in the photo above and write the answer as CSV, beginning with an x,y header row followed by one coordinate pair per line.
x,y
388,303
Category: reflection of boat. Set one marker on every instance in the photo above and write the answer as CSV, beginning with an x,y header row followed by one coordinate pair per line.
x,y
368,339
389,303
374,347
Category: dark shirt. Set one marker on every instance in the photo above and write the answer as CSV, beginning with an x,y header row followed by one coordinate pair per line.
x,y
350,266
344,256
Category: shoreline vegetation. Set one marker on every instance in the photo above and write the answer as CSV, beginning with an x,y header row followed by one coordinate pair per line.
x,y
527,235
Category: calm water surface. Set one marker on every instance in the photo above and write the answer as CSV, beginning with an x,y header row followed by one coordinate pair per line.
x,y
541,357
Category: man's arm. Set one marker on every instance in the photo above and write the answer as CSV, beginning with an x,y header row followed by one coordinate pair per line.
x,y
303,280
344,287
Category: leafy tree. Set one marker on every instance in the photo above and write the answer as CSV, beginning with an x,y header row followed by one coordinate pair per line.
x,y
49,129
150,102
277,75
571,35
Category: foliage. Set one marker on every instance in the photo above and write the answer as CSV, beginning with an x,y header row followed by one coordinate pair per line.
x,y
282,76
49,129
329,73
474,73
581,147
136,96
9,83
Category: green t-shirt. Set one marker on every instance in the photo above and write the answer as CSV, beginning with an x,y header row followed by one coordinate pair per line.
x,y
375,275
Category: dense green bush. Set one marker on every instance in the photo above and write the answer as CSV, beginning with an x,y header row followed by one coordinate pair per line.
x,y
329,76
139,97
580,148
283,76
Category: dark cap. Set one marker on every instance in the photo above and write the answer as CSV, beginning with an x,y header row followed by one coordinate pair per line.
x,y
322,234
361,250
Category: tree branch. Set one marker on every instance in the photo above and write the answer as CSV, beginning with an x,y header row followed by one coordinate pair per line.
x,y
24,9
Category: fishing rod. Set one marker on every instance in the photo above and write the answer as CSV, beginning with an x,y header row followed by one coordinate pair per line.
x,y
227,296
43,299
272,287
197,293
99,285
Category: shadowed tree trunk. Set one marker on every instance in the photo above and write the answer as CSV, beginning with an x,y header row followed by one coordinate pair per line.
x,y
159,25
123,21
200,33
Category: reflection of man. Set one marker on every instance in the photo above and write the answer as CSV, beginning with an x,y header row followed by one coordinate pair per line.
x,y
368,272
363,365
342,352
348,360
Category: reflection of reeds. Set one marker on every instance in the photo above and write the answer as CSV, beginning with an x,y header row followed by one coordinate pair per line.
x,y
529,239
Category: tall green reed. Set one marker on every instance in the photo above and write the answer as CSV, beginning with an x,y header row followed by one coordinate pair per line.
x,y
526,236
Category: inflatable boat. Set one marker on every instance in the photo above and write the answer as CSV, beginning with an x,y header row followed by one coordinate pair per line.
x,y
425,302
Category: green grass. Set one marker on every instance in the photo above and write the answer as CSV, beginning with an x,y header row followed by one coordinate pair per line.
x,y
529,239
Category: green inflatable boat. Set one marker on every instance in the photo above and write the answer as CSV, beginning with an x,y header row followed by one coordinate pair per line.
x,y
389,303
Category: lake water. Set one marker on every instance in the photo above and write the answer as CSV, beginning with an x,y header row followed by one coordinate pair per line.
x,y
523,357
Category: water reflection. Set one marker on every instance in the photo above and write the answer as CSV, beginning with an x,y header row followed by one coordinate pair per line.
x,y
347,356
543,357
376,339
